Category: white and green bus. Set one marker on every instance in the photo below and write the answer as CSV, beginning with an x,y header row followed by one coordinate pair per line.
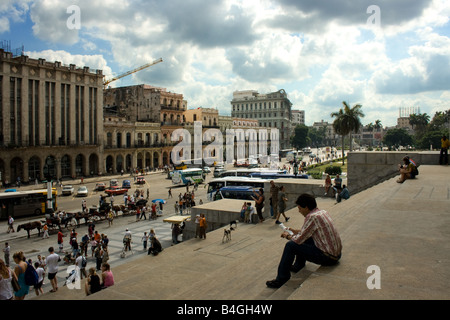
x,y
188,176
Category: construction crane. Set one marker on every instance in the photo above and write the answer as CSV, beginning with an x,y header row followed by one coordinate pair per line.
x,y
106,83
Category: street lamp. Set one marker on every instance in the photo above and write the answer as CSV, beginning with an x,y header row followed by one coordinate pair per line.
x,y
48,177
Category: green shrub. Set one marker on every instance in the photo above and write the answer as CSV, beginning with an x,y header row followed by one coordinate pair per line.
x,y
333,170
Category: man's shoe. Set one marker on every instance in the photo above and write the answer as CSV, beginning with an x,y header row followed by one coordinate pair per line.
x,y
274,284
287,219
277,222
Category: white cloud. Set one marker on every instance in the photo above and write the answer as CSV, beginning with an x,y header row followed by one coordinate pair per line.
x,y
66,58
321,52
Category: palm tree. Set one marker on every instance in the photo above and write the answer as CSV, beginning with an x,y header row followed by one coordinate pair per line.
x,y
347,121
378,125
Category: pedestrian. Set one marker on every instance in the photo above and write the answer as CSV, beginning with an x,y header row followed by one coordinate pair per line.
x,y
6,253
145,240
281,205
317,241
197,226
6,278
81,263
98,257
41,274
94,245
443,155
60,241
20,270
125,199
153,217
10,224
274,196
52,265
170,193
155,247
202,225
110,217
259,203
344,194
127,240
93,283
107,276
45,235
151,234
175,232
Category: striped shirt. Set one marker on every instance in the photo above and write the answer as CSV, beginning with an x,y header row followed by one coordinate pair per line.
x,y
319,226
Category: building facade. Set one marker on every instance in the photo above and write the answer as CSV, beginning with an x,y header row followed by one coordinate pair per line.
x,y
272,110
298,117
51,119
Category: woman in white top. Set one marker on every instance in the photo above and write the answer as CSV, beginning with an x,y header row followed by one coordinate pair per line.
x,y
6,289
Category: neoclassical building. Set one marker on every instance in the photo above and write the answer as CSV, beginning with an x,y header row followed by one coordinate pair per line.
x,y
51,119
131,144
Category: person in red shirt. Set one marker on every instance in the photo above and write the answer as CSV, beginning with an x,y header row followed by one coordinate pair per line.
x,y
60,241
317,241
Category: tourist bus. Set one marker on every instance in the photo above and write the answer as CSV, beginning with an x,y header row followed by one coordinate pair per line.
x,y
188,176
236,192
216,184
25,203
249,172
271,176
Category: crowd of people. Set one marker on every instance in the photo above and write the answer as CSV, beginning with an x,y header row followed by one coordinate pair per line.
x,y
14,284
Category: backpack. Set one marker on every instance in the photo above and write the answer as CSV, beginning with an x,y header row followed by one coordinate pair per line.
x,y
31,276
83,262
415,171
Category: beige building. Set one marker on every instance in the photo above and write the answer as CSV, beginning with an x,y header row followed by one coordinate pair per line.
x,y
131,144
51,119
272,110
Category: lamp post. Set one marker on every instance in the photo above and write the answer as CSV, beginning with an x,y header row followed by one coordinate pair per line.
x,y
48,177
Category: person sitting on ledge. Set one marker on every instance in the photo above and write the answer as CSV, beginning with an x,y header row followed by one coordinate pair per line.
x,y
344,194
406,170
318,242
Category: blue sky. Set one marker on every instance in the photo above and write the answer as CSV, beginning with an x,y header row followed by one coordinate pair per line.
x,y
321,52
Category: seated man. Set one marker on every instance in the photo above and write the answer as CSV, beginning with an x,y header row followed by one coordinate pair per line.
x,y
344,194
407,170
318,241
337,184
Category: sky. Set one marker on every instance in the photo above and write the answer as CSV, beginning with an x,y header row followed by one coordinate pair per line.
x,y
384,55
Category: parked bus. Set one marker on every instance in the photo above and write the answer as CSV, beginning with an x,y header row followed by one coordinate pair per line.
x,y
271,176
249,172
25,203
236,192
216,184
188,176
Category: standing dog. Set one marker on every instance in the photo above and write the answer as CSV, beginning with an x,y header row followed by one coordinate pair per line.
x,y
227,232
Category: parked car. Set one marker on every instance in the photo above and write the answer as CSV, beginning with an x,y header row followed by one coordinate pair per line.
x,y
206,170
126,184
218,172
113,182
140,180
101,186
67,190
116,190
82,191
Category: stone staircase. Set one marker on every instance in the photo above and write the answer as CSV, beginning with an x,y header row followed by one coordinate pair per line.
x,y
401,228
